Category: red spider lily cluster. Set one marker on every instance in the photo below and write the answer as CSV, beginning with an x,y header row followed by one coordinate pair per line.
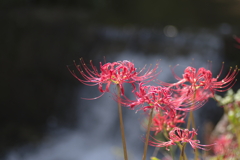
x,y
170,102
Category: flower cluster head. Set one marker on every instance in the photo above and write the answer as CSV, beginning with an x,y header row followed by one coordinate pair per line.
x,y
119,72
151,97
168,102
177,135
202,79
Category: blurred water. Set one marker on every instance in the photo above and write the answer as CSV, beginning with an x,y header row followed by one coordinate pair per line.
x,y
97,135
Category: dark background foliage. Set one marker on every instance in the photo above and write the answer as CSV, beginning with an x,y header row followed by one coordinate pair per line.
x,y
38,38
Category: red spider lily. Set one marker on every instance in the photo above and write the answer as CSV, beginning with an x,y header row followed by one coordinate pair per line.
x,y
225,146
117,72
161,98
154,97
213,84
180,135
167,122
202,78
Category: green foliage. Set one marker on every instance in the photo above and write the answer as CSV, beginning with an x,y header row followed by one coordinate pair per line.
x,y
231,104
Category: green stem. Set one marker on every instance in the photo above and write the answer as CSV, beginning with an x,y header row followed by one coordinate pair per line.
x,y
121,124
191,119
183,151
147,135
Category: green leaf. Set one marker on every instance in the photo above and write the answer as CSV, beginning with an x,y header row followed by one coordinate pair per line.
x,y
155,158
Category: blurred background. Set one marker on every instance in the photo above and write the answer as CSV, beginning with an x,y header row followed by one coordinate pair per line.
x,y
42,114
